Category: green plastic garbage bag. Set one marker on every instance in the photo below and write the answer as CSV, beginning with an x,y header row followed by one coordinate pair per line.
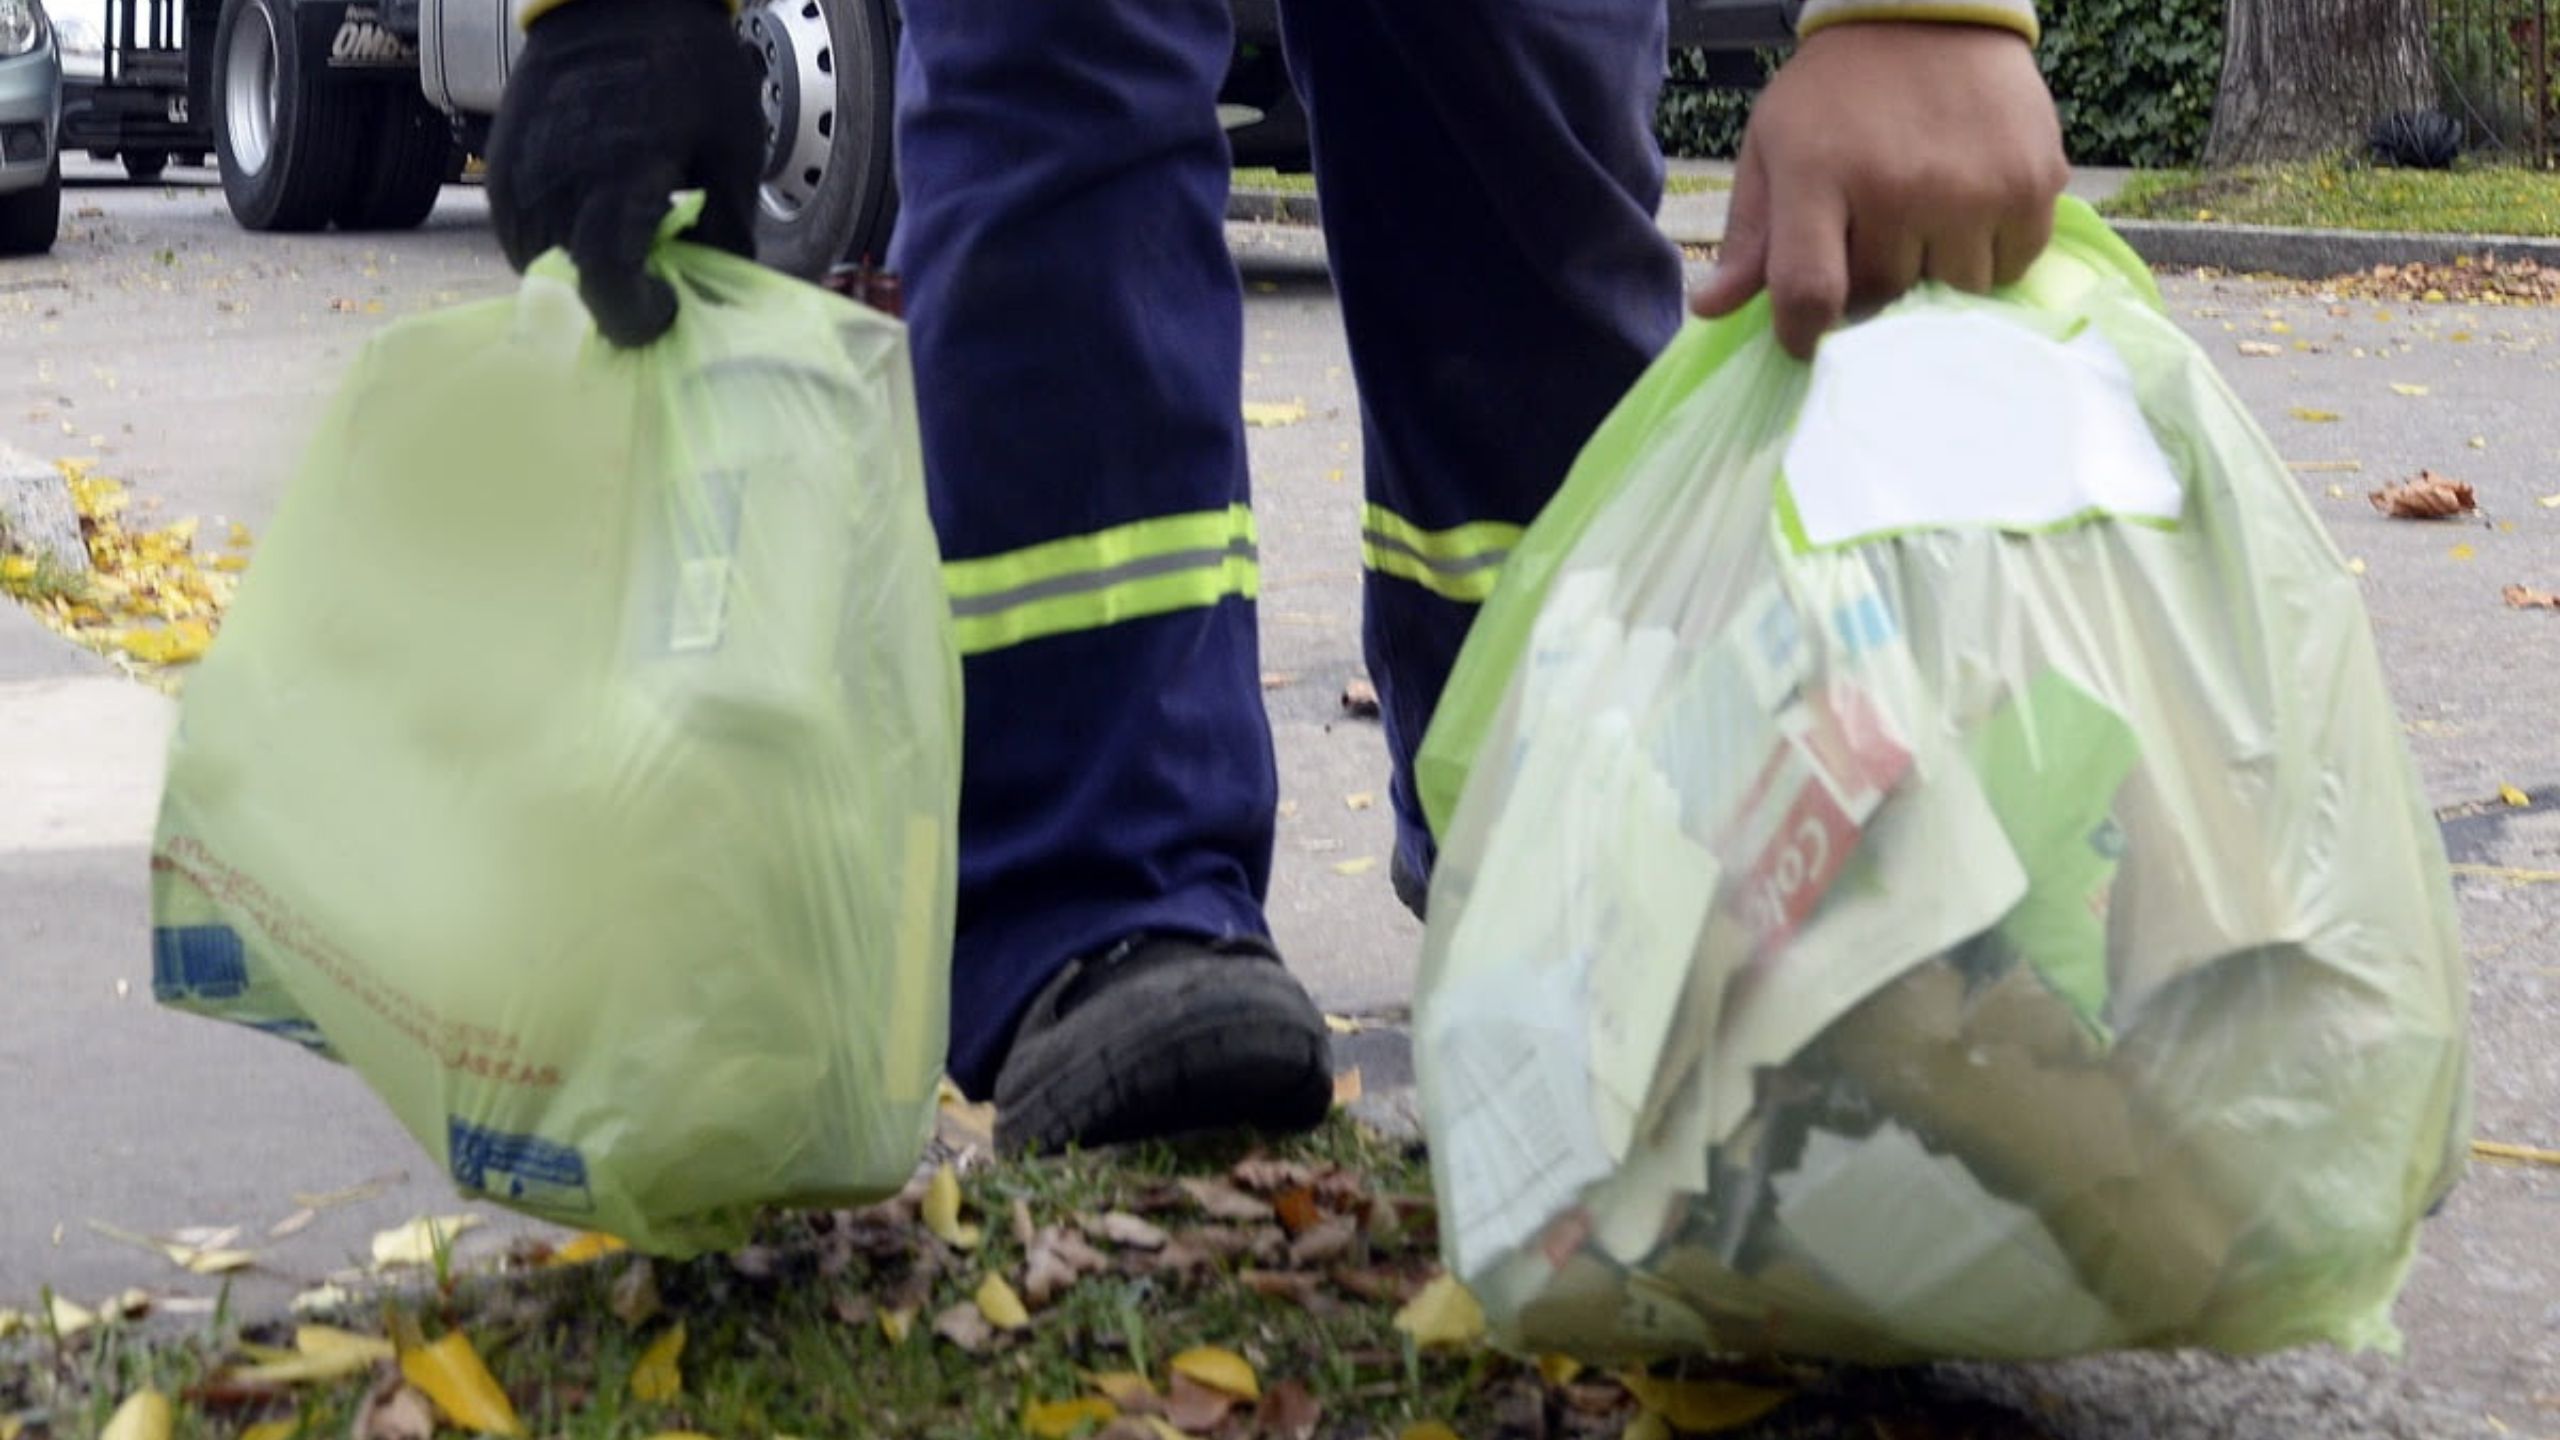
x,y
1930,867
579,762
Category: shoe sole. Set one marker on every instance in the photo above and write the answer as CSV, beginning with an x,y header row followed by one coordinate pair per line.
x,y
1217,1062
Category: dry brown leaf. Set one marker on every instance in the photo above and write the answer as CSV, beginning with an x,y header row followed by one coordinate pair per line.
x,y
966,1326
1024,1232
1122,1228
1294,1286
2259,348
1348,1088
394,1410
2428,497
1192,1406
1059,1257
292,1224
1360,700
2526,597
1288,1412
1261,1172
1223,1201
1379,1287
855,1309
634,1296
1326,1243
1298,1210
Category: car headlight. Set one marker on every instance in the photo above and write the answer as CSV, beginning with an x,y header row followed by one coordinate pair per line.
x,y
21,26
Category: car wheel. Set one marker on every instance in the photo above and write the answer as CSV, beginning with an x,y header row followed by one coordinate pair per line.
x,y
289,139
408,152
828,193
30,218
145,164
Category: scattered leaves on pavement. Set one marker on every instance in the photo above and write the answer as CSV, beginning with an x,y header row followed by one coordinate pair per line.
x,y
1357,865
2310,416
658,1376
152,600
2429,496
2259,349
1268,414
2526,597
2485,282
2402,388
2463,552
420,1241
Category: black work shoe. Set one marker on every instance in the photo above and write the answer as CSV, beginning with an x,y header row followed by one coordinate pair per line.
x,y
1162,1037
1412,887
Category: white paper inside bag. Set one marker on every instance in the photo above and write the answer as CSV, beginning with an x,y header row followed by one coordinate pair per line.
x,y
1935,420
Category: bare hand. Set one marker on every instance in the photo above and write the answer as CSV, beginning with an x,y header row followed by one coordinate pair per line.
x,y
1884,154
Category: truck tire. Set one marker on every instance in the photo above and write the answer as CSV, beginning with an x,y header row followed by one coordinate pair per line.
x,y
407,153
29,218
289,138
829,194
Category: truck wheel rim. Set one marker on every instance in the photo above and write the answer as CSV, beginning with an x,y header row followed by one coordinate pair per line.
x,y
792,41
249,86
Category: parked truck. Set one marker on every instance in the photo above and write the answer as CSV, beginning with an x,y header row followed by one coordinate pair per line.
x,y
356,113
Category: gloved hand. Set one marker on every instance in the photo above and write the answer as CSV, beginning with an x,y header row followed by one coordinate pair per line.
x,y
616,105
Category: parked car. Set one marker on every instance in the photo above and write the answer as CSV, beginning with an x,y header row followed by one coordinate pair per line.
x,y
30,129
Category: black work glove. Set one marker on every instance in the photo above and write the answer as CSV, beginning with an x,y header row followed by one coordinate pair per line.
x,y
617,105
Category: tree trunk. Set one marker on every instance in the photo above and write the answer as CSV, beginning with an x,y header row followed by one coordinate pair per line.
x,y
2301,78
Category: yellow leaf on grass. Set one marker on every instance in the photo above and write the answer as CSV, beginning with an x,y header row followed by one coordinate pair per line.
x,y
1427,1430
942,1211
1266,413
17,567
1002,1307
272,1430
453,1376
169,645
2515,797
1646,1426
590,1246
70,1318
320,1352
655,1376
1702,1407
1559,1369
1443,1314
1224,1371
10,1425
895,1325
417,1242
1121,1387
2400,389
144,1415
2309,416
1060,1419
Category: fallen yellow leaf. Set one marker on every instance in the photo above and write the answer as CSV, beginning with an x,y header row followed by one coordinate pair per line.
x,y
1121,1387
1427,1430
2356,566
1646,1426
941,1211
1443,1314
70,1318
1266,414
144,1415
320,1353
1559,1369
2515,797
1360,801
10,1426
1224,1371
2549,502
655,1376
1702,1407
1059,1419
592,1245
1360,866
272,1430
2509,873
1342,1025
2523,1154
1002,1307
1347,1087
2401,389
452,1374
2310,416
17,567
419,1241
894,1324
2462,552
217,1262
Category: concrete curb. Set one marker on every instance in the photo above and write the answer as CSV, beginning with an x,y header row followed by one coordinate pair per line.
x,y
2248,249
35,511
2316,254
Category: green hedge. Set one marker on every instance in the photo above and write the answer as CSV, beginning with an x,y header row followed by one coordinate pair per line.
x,y
2134,80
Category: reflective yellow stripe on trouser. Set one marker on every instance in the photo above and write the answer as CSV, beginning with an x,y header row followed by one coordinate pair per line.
x,y
1085,582
1458,564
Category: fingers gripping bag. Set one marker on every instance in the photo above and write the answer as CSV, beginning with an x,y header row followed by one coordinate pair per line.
x,y
579,762
1930,867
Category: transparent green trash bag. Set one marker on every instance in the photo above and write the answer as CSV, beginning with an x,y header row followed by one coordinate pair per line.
x,y
580,760
1930,867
